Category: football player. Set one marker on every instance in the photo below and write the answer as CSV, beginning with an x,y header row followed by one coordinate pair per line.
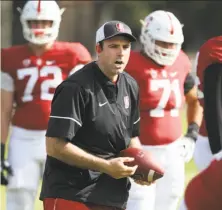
x,y
210,52
209,144
29,75
163,72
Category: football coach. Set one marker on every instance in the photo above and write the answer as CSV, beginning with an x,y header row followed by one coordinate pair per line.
x,y
94,115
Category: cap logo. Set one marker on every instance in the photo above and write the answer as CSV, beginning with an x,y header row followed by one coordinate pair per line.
x,y
120,27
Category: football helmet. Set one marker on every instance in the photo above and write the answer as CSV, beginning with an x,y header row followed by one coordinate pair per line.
x,y
162,26
41,10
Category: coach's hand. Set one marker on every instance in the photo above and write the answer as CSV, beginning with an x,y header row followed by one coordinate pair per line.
x,y
6,169
117,168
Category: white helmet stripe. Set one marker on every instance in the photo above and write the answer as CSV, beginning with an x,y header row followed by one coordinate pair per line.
x,y
39,6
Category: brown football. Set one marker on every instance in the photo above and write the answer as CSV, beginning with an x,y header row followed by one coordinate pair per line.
x,y
148,168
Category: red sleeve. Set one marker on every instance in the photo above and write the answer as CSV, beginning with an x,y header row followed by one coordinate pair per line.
x,y
7,56
82,54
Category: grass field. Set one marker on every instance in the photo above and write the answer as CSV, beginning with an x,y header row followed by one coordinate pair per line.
x,y
191,170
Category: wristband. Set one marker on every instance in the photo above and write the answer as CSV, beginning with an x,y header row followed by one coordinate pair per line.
x,y
192,131
2,151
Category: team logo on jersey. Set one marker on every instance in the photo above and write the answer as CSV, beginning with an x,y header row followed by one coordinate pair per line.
x,y
50,62
26,62
152,72
126,102
39,62
173,74
164,74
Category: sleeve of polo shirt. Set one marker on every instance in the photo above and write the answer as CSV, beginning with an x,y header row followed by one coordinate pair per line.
x,y
136,118
67,111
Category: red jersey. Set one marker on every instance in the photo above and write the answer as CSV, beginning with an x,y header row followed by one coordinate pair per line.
x,y
161,97
209,53
36,77
204,191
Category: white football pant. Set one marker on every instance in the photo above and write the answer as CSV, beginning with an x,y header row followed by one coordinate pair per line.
x,y
27,155
166,192
202,153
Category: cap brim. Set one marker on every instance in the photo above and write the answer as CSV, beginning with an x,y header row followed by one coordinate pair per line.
x,y
129,36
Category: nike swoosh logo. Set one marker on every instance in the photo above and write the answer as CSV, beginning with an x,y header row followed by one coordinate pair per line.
x,y
102,104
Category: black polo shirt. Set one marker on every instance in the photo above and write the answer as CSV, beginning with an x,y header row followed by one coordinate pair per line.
x,y
100,117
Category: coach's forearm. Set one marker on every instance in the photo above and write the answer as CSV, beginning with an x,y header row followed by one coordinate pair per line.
x,y
74,156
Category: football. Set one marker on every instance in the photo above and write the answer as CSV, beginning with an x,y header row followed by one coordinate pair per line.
x,y
148,168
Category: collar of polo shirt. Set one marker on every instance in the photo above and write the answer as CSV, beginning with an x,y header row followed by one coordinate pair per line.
x,y
103,79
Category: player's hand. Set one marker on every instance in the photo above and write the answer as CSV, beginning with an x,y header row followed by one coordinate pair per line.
x,y
188,148
117,168
6,169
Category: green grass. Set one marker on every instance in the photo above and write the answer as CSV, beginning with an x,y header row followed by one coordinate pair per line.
x,y
191,170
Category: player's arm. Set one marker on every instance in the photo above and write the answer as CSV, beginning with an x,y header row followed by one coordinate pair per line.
x,y
213,105
7,99
194,117
194,109
67,114
7,96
